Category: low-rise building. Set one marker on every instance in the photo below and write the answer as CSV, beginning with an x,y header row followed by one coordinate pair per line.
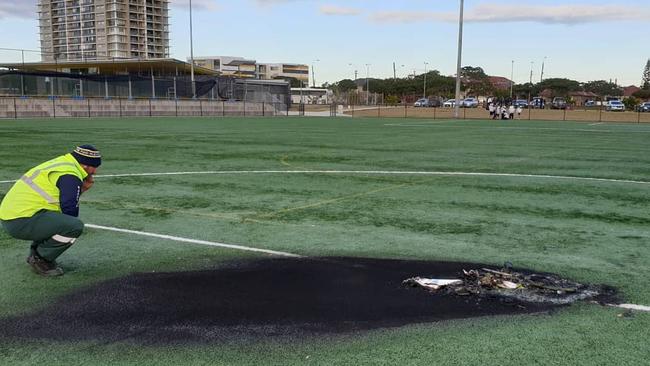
x,y
628,91
284,71
579,98
246,68
229,65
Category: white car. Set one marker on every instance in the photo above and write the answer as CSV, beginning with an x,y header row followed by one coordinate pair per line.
x,y
422,102
450,103
469,103
616,105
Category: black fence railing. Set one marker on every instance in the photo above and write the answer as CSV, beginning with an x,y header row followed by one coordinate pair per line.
x,y
585,114
58,107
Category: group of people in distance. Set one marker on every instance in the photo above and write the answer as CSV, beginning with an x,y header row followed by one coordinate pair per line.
x,y
503,110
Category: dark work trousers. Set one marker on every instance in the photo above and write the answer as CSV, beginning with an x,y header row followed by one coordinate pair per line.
x,y
52,233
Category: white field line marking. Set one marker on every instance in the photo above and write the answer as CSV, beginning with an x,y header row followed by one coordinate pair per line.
x,y
562,129
597,123
514,128
422,123
371,172
193,241
379,172
631,307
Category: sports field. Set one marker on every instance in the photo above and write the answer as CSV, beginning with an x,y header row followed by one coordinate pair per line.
x,y
562,197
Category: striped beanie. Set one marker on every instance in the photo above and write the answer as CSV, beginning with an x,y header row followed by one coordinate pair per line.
x,y
87,155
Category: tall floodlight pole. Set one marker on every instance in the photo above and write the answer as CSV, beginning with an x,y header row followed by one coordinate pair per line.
x,y
22,77
367,84
356,72
424,94
530,86
354,79
458,65
313,74
192,55
512,76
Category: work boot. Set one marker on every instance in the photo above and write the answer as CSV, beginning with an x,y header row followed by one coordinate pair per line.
x,y
44,267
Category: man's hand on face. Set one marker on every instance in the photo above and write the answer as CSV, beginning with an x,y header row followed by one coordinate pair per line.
x,y
87,183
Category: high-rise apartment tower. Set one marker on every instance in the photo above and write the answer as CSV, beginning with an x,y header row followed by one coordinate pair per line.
x,y
73,30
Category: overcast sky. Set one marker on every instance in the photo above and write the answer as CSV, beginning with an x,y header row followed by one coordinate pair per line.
x,y
580,39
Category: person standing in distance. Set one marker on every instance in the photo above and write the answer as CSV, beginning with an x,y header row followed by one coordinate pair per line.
x,y
43,205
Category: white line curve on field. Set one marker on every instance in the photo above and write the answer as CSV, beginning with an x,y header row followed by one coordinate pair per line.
x,y
371,172
516,128
632,307
193,241
381,172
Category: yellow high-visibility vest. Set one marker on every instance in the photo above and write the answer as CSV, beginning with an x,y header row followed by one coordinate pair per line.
x,y
37,190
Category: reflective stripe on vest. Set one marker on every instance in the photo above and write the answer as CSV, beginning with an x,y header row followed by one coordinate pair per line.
x,y
37,189
30,181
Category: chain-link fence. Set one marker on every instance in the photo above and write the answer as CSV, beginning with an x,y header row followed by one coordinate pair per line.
x,y
584,114
596,114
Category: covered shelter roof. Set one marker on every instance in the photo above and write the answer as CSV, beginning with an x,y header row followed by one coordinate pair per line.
x,y
167,66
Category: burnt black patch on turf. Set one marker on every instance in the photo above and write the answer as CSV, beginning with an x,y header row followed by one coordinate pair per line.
x,y
262,298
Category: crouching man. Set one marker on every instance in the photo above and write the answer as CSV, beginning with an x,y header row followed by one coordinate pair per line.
x,y
43,205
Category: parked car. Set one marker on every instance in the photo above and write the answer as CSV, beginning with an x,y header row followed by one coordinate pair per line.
x,y
644,107
449,103
537,102
520,103
615,105
422,102
558,103
469,103
590,103
436,102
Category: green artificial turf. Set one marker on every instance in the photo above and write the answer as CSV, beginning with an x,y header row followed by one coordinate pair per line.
x,y
591,231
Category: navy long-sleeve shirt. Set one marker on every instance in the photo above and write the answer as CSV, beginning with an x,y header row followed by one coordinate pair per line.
x,y
69,192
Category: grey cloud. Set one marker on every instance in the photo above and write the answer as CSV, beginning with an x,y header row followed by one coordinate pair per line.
x,y
338,10
210,5
18,9
28,8
273,2
500,13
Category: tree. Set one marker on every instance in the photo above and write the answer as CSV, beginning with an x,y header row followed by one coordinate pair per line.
x,y
293,82
502,93
476,81
646,76
344,85
631,103
560,87
643,94
603,88
391,100
521,91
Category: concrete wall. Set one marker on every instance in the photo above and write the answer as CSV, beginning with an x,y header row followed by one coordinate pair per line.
x,y
62,108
